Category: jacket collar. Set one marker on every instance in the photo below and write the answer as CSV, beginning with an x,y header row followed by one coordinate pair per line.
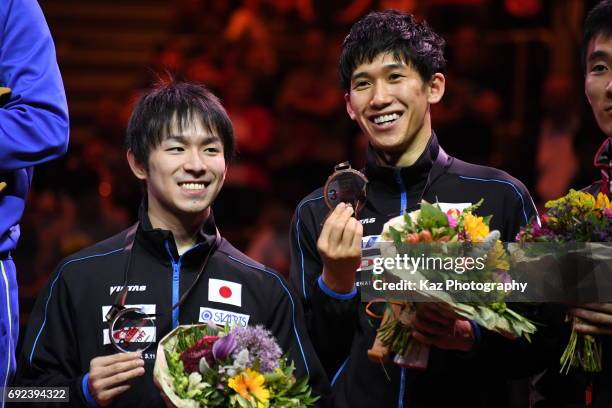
x,y
161,243
432,163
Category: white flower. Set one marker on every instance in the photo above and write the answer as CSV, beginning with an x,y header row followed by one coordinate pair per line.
x,y
240,363
194,380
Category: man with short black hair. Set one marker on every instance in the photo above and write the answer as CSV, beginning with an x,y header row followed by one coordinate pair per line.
x,y
574,389
172,264
392,70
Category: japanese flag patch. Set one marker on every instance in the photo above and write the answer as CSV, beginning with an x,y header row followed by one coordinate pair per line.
x,y
223,291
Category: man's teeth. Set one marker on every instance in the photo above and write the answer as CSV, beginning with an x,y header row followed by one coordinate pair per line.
x,y
193,186
386,118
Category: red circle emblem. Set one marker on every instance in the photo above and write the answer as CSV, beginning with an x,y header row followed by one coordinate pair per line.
x,y
225,292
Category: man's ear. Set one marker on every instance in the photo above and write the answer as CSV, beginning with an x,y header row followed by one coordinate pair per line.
x,y
435,88
136,166
349,108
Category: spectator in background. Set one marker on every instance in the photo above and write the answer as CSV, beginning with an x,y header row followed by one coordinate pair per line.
x,y
33,129
556,160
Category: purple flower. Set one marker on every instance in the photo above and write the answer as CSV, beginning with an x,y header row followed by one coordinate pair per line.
x,y
608,212
539,231
503,276
261,345
224,347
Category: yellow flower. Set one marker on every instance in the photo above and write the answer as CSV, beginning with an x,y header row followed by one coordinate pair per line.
x,y
249,383
577,200
475,227
497,257
603,202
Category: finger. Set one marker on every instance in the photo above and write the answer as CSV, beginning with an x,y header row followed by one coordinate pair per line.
x,y
585,328
356,242
119,378
328,225
601,307
105,397
124,366
104,361
429,327
422,337
431,312
339,225
592,317
348,235
98,371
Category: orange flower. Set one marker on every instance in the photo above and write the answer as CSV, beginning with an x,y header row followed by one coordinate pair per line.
x,y
250,385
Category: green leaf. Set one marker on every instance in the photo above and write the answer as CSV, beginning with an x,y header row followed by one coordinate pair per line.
x,y
395,235
431,216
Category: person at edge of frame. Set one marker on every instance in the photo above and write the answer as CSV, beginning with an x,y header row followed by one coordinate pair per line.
x,y
391,68
179,141
577,389
34,129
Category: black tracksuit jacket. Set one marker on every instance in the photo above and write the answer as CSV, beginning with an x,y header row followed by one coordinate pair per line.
x,y
342,332
66,327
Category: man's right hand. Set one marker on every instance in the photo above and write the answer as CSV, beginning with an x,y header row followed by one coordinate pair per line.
x,y
108,375
340,248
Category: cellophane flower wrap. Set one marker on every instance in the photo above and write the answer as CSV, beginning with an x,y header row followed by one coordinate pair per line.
x,y
454,233
207,366
575,218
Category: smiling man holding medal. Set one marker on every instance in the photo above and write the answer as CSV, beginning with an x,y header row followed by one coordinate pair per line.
x,y
95,326
391,67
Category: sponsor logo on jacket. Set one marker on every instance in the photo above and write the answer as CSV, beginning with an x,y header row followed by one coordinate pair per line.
x,y
223,317
131,288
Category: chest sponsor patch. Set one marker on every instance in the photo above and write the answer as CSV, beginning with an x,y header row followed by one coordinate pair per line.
x,y
223,317
223,291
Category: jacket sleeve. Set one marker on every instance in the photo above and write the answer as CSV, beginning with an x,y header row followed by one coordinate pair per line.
x,y
49,355
288,326
331,318
34,120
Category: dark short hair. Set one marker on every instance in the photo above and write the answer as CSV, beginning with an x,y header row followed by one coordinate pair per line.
x,y
153,117
393,32
598,21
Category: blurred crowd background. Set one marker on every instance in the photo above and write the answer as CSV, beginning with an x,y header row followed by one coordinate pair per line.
x,y
514,100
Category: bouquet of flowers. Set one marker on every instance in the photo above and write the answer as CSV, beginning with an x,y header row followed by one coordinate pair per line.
x,y
451,234
576,217
206,366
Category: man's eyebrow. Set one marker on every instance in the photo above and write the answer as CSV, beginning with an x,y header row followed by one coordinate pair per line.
x,y
182,139
386,67
597,55
175,138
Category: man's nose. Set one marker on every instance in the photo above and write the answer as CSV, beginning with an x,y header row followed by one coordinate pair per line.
x,y
381,97
194,162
